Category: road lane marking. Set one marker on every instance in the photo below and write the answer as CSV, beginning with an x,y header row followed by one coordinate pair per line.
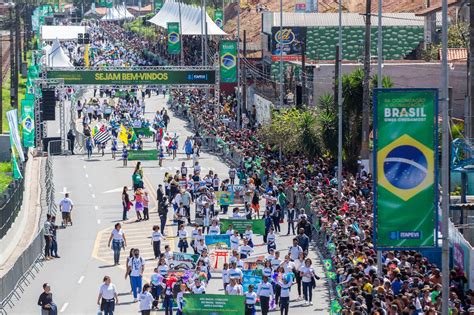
x,y
98,221
90,185
87,175
116,190
96,208
93,196
80,280
64,307
83,166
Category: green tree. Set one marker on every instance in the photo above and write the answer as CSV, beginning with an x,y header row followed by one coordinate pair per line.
x,y
327,121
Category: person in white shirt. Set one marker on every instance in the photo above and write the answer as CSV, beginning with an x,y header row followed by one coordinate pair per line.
x,y
194,234
250,300
295,250
229,231
163,267
234,240
108,296
245,250
225,275
197,168
117,237
276,261
271,238
285,287
198,287
234,288
180,298
214,229
146,300
135,267
156,237
65,206
234,272
200,247
248,234
307,274
183,239
265,292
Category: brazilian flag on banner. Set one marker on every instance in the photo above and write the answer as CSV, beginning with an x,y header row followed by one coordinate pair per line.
x,y
15,168
228,61
27,121
174,38
339,291
331,275
335,307
328,264
219,18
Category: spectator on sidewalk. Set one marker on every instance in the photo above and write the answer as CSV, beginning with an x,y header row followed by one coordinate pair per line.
x,y
45,300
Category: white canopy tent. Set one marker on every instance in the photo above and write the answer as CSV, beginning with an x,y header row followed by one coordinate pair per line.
x,y
61,32
117,13
191,17
56,58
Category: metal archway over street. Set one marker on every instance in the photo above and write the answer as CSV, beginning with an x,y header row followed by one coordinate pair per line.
x,y
204,76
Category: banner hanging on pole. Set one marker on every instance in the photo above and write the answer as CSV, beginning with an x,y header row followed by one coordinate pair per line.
x,y
158,4
174,38
228,61
219,18
405,146
28,123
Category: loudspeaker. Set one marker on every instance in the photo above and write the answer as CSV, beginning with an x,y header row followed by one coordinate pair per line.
x,y
48,104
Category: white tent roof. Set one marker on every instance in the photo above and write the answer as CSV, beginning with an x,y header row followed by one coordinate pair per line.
x,y
117,13
61,32
56,58
191,17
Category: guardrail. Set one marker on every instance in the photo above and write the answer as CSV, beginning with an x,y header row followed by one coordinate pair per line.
x,y
10,205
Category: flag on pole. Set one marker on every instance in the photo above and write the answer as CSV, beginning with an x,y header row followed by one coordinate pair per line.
x,y
335,307
132,137
86,56
339,291
331,275
123,135
102,136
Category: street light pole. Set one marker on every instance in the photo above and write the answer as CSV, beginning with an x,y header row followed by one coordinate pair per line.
x,y
239,92
339,107
11,6
281,55
445,159
181,35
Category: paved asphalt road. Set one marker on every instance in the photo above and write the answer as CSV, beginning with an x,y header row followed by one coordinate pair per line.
x,y
95,187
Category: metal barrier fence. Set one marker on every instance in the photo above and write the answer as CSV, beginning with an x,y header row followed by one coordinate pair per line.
x,y
14,282
10,205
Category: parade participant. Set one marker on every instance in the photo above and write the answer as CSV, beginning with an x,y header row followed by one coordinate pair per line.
x,y
248,234
163,214
215,182
230,230
45,300
298,263
245,250
66,206
156,237
265,292
268,223
200,246
285,285
214,229
234,288
267,268
168,253
188,147
117,237
232,173
180,298
234,241
183,239
114,148
89,147
291,216
271,238
146,201
303,240
225,275
108,296
295,250
146,300
135,268
156,281
235,273
308,277
124,156
180,214
276,261
250,301
138,198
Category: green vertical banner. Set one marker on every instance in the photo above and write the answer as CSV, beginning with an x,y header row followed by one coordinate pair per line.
x,y
109,3
158,4
216,304
28,123
219,18
101,3
405,142
228,61
174,39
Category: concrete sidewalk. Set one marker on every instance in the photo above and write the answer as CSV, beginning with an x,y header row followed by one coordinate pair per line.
x,y
26,225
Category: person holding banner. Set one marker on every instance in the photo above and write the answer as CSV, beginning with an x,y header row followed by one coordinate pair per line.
x,y
234,288
250,300
265,292
214,229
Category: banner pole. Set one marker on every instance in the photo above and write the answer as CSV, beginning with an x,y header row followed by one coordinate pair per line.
x,y
445,160
379,85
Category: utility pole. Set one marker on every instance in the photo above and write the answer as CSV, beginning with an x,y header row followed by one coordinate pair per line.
x,y
244,74
202,34
366,84
379,85
336,76
17,50
445,159
470,111
181,35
